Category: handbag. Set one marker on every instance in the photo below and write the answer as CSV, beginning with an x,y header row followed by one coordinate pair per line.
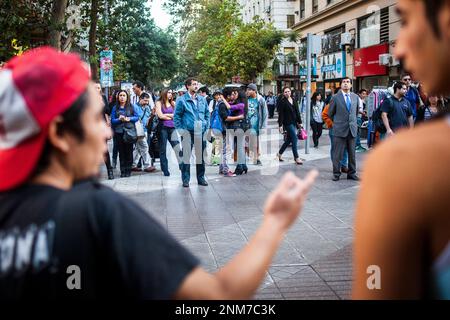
x,y
140,132
245,124
129,133
302,135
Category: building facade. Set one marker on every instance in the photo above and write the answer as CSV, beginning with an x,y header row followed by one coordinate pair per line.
x,y
283,14
370,29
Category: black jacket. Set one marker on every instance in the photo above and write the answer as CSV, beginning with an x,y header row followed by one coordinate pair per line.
x,y
287,113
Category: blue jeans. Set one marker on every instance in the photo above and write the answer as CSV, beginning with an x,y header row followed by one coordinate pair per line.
x,y
168,134
291,138
344,161
189,141
358,138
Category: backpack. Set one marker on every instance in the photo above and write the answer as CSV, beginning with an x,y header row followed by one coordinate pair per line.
x,y
376,99
378,120
216,121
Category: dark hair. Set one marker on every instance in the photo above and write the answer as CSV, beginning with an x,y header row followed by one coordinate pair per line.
x,y
242,98
114,98
432,9
144,95
285,89
71,122
346,78
314,97
398,86
362,90
139,84
227,91
163,97
189,81
128,108
204,89
406,74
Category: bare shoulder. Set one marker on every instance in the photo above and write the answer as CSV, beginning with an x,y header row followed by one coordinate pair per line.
x,y
412,167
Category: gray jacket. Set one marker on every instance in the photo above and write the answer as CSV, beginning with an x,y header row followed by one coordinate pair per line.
x,y
262,111
344,121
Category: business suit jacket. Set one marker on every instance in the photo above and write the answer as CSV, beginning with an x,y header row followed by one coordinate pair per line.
x,y
343,120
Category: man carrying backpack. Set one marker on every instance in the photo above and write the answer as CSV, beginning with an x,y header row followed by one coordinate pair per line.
x,y
396,111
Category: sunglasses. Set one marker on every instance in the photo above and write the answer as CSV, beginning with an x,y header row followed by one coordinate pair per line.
x,y
407,79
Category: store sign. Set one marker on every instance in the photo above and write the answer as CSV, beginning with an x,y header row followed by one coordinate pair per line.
x,y
333,66
367,63
303,68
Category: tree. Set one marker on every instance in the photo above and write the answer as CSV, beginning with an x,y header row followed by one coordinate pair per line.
x,y
93,38
141,49
221,46
57,19
23,24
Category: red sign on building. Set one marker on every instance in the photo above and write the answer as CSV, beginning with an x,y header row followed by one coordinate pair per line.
x,y
366,61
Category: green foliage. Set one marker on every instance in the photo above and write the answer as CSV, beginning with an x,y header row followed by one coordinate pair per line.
x,y
221,46
22,24
141,49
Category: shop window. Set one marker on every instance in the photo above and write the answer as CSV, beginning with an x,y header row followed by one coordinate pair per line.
x,y
331,41
369,30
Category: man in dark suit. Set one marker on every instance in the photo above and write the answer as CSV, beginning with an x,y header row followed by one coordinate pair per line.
x,y
343,111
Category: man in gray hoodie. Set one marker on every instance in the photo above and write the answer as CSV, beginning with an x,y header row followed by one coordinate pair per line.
x,y
257,114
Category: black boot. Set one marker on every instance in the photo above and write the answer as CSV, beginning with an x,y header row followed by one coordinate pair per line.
x,y
244,168
239,170
110,174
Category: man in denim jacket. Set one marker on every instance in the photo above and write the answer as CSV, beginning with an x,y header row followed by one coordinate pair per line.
x,y
191,119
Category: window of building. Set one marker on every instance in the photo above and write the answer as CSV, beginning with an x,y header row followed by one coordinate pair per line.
x,y
331,41
315,6
302,55
288,50
290,20
329,2
302,9
369,30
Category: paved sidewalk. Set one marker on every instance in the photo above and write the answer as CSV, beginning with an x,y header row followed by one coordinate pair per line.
x,y
215,222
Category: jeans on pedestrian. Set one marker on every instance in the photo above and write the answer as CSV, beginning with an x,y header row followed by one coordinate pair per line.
x,y
168,134
141,152
253,146
317,131
291,138
271,108
344,161
125,153
115,151
223,168
191,141
107,159
236,139
358,138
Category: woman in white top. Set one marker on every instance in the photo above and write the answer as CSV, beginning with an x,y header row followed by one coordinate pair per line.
x,y
317,106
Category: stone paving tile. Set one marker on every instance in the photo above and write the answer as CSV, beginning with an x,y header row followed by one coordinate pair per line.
x,y
314,260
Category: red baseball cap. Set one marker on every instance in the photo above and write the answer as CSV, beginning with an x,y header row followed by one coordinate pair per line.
x,y
34,89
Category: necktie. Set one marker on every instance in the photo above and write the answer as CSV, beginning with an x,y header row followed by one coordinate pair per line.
x,y
348,101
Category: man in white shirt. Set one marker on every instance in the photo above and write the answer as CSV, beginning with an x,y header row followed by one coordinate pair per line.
x,y
138,89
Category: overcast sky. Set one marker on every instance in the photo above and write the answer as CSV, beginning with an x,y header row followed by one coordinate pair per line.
x,y
162,19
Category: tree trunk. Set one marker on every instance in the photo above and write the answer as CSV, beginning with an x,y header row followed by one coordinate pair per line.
x,y
93,40
57,18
